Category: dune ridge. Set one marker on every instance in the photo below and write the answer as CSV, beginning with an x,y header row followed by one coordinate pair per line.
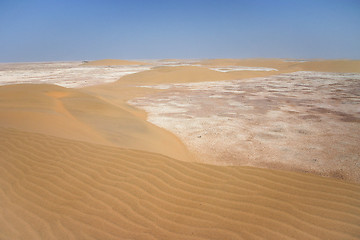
x,y
73,114
55,188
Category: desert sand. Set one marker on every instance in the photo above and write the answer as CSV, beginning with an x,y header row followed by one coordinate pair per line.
x,y
72,114
55,188
341,65
84,161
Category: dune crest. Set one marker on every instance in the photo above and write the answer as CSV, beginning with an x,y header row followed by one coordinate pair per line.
x,y
73,114
54,188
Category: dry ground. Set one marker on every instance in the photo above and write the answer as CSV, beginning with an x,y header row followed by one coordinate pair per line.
x,y
303,121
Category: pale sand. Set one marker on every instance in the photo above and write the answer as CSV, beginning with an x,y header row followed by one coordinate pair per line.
x,y
83,164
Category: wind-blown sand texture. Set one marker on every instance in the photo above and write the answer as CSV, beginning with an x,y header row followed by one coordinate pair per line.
x,y
53,188
81,163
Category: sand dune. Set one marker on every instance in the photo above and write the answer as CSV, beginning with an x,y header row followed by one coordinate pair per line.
x,y
261,62
186,74
332,66
54,188
83,164
113,62
285,65
72,114
127,87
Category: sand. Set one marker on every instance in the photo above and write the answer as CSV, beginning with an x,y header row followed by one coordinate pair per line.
x,y
81,163
342,65
71,114
54,188
332,66
113,62
185,74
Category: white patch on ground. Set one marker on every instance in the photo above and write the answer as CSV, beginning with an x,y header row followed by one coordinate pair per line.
x,y
307,121
65,74
160,86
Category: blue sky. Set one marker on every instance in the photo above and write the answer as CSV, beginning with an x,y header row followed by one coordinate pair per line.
x,y
55,30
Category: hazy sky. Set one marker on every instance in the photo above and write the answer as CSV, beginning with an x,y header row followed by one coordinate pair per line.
x,y
53,30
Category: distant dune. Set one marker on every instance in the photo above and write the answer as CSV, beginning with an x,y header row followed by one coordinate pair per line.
x,y
187,74
126,87
283,64
53,188
280,64
332,66
260,62
113,62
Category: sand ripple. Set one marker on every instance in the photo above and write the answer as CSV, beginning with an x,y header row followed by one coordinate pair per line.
x,y
52,188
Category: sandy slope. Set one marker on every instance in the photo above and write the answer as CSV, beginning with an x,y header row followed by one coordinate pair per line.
x,y
53,188
113,62
72,114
